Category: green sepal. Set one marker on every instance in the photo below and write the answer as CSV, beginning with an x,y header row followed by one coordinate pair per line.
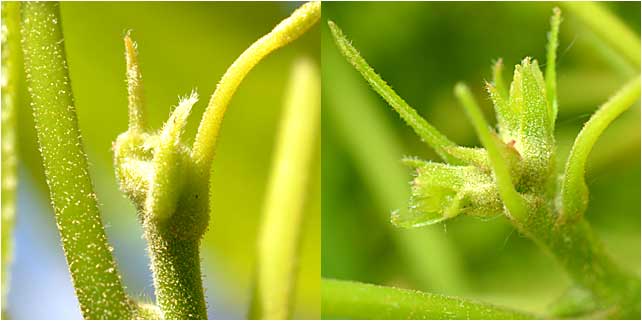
x,y
133,153
499,94
169,164
441,191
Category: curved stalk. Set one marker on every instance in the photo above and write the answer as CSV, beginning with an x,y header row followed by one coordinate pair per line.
x,y
285,32
574,193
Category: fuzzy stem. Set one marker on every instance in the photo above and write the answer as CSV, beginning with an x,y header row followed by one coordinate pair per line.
x,y
608,28
353,300
429,134
283,215
10,79
574,193
176,268
581,253
285,32
91,264
588,263
512,200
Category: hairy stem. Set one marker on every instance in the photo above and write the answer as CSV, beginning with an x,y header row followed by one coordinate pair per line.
x,y
581,253
353,300
10,78
574,193
285,32
176,268
93,270
279,237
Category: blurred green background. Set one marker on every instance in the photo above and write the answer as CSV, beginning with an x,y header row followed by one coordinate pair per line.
x,y
422,50
182,45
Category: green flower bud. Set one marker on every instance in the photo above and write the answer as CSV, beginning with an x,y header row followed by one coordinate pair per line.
x,y
441,191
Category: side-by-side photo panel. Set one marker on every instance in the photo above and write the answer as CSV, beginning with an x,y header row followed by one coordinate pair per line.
x,y
480,160
315,160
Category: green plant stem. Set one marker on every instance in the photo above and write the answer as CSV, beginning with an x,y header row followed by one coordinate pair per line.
x,y
512,200
279,237
578,249
574,193
429,134
285,32
93,270
608,28
11,78
176,268
353,300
